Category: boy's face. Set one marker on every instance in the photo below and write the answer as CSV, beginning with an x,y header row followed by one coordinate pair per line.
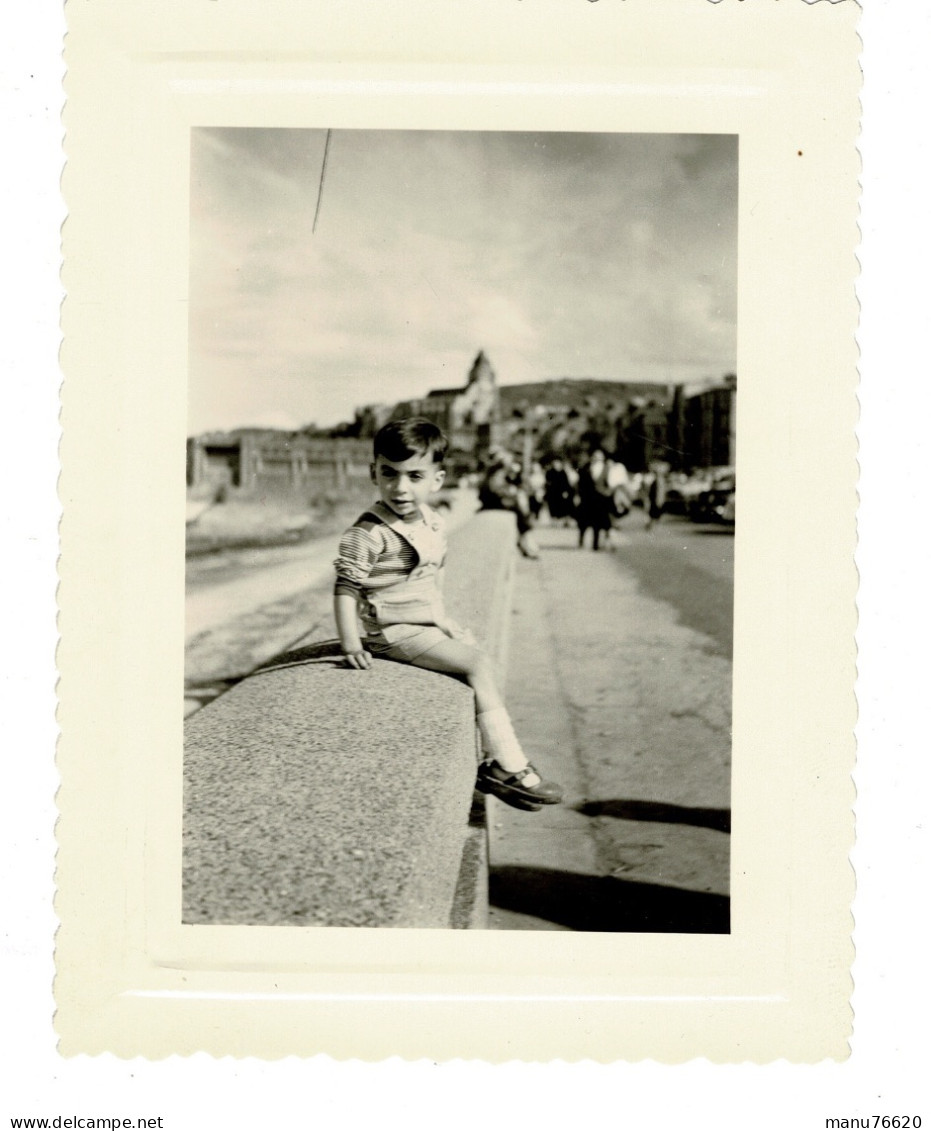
x,y
404,487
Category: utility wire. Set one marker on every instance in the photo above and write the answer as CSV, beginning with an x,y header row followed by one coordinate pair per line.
x,y
326,151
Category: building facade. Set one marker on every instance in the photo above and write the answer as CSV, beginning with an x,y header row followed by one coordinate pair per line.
x,y
469,414
249,461
637,424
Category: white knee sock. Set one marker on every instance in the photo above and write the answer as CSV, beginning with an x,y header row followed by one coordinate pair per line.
x,y
499,740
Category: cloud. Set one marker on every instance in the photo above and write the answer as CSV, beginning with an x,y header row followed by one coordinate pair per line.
x,y
560,254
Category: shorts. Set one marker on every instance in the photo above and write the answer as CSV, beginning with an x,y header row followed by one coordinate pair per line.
x,y
408,641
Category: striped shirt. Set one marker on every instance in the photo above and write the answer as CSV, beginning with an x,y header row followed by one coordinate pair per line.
x,y
373,555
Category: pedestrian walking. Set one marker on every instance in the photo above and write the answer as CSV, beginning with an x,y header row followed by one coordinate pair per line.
x,y
653,489
559,492
595,503
502,488
536,490
389,577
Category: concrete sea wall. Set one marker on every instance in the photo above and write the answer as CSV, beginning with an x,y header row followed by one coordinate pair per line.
x,y
318,795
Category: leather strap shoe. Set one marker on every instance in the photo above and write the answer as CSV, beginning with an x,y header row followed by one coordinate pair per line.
x,y
511,789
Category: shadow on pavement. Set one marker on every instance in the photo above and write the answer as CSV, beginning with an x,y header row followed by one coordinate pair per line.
x,y
660,812
603,903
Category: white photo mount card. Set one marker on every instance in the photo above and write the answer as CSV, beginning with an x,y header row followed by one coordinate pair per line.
x,y
586,221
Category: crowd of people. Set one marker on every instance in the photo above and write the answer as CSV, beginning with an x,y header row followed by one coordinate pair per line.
x,y
593,494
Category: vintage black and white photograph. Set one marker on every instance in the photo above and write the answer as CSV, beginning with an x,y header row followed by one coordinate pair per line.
x,y
460,527
402,584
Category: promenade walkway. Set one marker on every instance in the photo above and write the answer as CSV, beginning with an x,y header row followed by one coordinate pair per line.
x,y
624,697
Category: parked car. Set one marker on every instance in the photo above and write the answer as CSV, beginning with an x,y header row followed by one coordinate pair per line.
x,y
715,499
679,489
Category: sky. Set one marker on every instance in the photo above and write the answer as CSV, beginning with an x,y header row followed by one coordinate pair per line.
x,y
561,255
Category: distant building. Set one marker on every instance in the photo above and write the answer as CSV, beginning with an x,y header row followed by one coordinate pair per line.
x,y
644,429
260,461
370,418
710,426
687,427
468,414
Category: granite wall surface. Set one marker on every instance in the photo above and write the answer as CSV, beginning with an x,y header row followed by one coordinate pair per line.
x,y
320,795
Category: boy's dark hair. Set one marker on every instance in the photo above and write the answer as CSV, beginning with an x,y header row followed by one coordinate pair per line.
x,y
413,436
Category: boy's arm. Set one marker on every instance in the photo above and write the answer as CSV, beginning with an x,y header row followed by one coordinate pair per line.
x,y
347,628
358,550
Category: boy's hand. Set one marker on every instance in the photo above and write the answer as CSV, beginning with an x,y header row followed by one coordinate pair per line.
x,y
361,660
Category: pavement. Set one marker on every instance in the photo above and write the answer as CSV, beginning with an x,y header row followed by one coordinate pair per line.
x,y
619,684
261,575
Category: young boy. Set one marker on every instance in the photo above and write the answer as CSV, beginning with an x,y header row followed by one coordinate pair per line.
x,y
388,574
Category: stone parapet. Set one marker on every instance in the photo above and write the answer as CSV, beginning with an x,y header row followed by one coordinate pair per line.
x,y
319,795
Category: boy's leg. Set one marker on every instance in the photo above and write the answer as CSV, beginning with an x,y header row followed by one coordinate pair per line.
x,y
498,738
526,791
453,657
